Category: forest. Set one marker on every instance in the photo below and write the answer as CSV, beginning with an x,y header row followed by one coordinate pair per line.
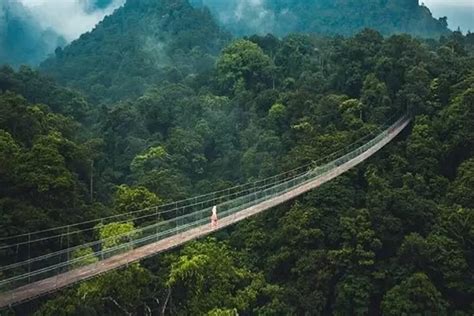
x,y
159,103
346,17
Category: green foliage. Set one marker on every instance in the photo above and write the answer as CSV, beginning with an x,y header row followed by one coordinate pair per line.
x,y
456,126
221,312
359,243
117,292
415,295
243,65
84,256
207,278
42,167
375,99
463,186
141,162
114,234
143,44
45,167
9,151
133,199
353,295
346,17
38,88
166,122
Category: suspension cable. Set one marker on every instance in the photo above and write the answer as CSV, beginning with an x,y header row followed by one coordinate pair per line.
x,y
171,204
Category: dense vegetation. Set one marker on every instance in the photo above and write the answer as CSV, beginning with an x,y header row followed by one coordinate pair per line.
x,y
393,236
144,43
345,17
148,42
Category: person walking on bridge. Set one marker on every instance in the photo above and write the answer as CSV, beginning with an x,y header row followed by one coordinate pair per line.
x,y
214,217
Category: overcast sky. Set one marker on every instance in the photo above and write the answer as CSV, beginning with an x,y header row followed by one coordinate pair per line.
x,y
449,2
459,12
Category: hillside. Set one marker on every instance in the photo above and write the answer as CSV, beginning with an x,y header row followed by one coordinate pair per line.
x,y
149,42
141,44
344,17
394,236
24,41
170,108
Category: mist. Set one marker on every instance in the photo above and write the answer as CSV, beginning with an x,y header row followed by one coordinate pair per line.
x,y
243,17
280,17
70,18
22,39
30,30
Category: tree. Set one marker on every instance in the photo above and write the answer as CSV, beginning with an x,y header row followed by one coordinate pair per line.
x,y
376,100
462,187
416,90
223,312
83,257
244,65
44,171
170,123
9,152
355,261
352,113
353,295
130,199
206,276
455,126
114,234
117,292
415,295
359,243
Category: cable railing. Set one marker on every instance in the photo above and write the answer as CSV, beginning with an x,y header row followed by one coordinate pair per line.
x,y
185,218
164,210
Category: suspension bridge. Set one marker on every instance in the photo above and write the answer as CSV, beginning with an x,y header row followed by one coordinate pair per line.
x,y
74,258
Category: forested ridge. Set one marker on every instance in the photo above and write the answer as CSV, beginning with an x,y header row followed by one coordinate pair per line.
x,y
393,236
346,17
143,44
148,42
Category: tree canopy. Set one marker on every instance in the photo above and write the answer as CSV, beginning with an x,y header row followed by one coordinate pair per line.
x,y
393,236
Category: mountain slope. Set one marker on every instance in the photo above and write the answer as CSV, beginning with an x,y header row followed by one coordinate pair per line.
x,y
148,42
344,17
141,44
22,39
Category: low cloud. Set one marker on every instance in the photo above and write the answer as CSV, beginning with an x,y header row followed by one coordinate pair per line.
x,y
242,16
22,39
70,18
30,30
255,13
